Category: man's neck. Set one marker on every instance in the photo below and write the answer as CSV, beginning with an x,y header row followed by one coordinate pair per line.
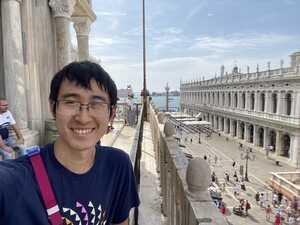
x,y
78,162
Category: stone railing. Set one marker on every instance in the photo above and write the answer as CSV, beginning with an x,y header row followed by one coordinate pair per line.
x,y
135,157
185,199
285,182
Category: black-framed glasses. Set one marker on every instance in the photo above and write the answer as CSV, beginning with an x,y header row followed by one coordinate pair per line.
x,y
71,107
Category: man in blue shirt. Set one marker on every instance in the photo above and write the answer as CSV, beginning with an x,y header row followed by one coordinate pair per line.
x,y
92,184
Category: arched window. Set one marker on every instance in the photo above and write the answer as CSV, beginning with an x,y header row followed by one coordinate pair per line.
x,y
229,99
286,142
223,99
288,99
235,100
252,101
243,100
262,102
274,103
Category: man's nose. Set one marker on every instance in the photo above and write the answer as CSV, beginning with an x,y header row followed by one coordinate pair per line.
x,y
83,115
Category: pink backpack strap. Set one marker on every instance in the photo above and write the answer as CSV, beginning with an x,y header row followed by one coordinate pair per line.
x,y
45,186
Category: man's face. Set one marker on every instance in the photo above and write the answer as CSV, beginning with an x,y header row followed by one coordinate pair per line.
x,y
82,129
3,106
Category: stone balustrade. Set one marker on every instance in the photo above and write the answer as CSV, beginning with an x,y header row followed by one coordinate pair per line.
x,y
288,183
237,78
286,119
184,201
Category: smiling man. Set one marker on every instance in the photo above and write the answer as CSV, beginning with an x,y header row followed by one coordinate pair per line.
x,y
92,184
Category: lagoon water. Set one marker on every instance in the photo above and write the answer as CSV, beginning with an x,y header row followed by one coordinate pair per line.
x,y
160,102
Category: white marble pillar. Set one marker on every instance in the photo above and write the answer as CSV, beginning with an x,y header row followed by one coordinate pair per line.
x,y
268,102
255,135
238,129
280,103
247,99
216,122
278,148
256,101
247,133
82,27
232,127
62,11
239,104
266,137
220,123
296,104
295,150
13,60
225,126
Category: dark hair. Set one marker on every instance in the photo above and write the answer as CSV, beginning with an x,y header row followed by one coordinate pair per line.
x,y
82,73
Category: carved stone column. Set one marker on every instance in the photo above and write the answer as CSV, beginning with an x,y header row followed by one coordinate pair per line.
x,y
238,129
62,11
13,60
280,104
232,128
82,27
268,101
266,137
247,99
278,148
247,133
296,104
255,135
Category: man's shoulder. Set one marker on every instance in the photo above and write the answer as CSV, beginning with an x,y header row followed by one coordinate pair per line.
x,y
115,155
14,172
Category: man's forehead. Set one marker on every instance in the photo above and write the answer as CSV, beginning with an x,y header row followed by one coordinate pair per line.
x,y
72,87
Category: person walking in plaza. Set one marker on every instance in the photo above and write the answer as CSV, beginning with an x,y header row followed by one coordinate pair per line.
x,y
261,200
268,212
257,196
277,220
7,144
247,207
274,199
291,220
226,177
74,175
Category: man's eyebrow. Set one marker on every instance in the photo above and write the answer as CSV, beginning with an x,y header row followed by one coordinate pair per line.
x,y
69,95
98,97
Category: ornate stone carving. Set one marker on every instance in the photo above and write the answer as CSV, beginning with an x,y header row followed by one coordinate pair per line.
x,y
62,8
82,25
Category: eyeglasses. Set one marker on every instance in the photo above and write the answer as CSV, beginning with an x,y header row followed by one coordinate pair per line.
x,y
71,107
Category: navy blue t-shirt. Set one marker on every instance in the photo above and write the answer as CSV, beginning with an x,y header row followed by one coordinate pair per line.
x,y
103,195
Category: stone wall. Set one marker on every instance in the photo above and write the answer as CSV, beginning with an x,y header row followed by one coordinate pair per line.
x,y
184,201
2,90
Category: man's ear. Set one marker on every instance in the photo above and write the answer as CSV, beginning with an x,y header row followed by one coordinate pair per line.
x,y
52,107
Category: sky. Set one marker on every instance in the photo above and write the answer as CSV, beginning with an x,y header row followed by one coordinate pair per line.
x,y
190,39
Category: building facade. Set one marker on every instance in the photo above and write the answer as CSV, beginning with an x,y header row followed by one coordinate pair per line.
x,y
35,42
260,109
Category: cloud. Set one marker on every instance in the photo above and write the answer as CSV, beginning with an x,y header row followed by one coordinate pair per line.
x,y
210,14
110,14
101,41
196,10
242,41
